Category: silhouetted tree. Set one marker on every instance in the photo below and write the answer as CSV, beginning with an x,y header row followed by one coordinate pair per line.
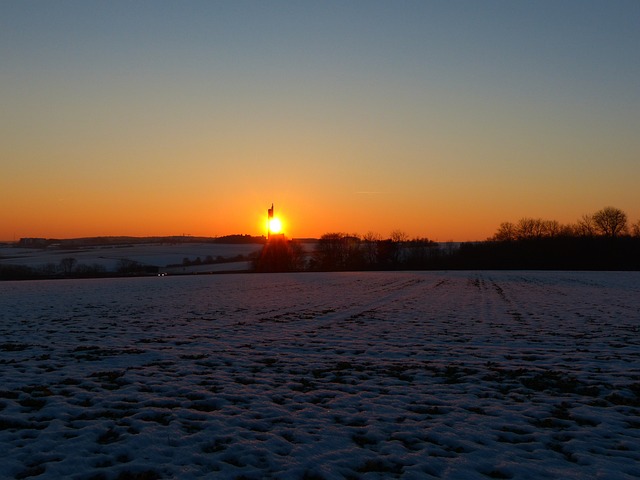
x,y
585,227
552,228
610,221
49,269
94,269
595,242
67,264
15,272
506,232
398,239
528,228
532,228
129,266
279,255
298,256
329,253
338,251
420,251
537,228
369,245
399,236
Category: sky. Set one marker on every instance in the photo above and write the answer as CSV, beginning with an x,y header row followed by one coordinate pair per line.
x,y
441,119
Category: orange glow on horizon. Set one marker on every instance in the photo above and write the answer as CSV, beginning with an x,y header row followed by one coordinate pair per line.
x,y
303,212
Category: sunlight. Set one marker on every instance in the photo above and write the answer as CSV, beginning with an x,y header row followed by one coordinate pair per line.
x,y
275,225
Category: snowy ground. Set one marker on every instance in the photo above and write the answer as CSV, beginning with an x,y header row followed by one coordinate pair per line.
x,y
355,375
159,255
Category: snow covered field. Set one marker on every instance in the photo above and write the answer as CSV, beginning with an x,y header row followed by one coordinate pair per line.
x,y
469,375
108,256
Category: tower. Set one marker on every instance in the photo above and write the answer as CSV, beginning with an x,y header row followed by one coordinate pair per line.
x,y
269,218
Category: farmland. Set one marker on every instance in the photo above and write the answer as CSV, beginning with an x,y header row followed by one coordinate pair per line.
x,y
465,374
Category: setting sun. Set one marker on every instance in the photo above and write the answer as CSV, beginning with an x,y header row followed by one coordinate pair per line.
x,y
275,225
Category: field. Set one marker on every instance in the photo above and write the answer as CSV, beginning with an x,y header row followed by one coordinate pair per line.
x,y
475,375
154,254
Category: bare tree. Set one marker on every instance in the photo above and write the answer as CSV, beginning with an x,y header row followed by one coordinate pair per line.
x,y
370,243
49,269
280,255
126,265
610,221
338,251
586,226
420,250
67,264
529,228
551,228
506,232
398,241
399,236
635,229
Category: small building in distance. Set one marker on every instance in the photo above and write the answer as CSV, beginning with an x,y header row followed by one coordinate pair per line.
x,y
32,242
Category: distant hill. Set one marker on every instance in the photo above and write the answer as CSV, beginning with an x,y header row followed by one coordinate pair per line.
x,y
127,240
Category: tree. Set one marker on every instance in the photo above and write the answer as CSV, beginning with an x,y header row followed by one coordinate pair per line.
x,y
329,253
530,228
610,221
398,240
49,269
370,243
551,228
94,269
338,251
126,265
506,232
298,256
399,236
279,255
420,251
67,264
586,226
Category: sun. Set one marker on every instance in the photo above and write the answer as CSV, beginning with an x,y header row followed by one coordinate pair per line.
x,y
275,225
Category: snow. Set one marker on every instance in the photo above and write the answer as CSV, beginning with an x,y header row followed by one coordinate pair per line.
x,y
471,375
108,256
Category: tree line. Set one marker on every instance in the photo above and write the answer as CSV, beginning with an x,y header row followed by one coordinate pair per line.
x,y
609,222
599,241
338,251
604,240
